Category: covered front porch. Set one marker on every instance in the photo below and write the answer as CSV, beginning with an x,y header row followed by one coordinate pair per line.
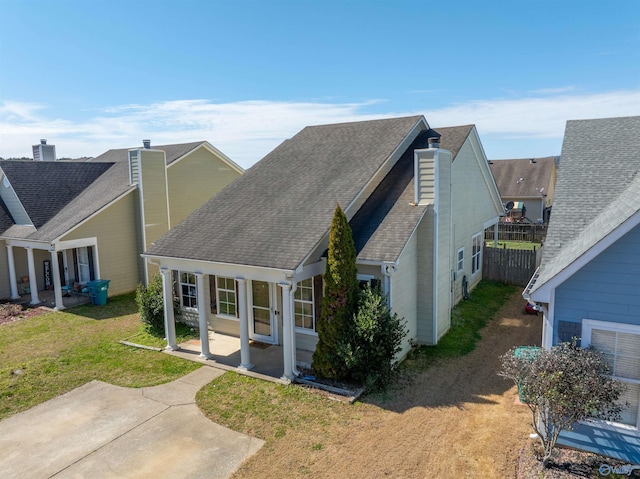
x,y
48,299
267,359
52,274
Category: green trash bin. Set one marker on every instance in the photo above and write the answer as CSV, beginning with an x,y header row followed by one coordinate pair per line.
x,y
526,352
98,291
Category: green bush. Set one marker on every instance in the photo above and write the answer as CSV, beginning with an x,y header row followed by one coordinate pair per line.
x,y
377,338
151,305
332,356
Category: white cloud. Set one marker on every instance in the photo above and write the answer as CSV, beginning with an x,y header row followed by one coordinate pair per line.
x,y
247,130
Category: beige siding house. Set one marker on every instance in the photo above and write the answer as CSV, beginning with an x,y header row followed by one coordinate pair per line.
x,y
249,262
65,223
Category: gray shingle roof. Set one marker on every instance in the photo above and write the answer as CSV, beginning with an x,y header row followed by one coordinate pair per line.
x,y
85,190
453,137
384,224
172,152
278,210
535,175
598,188
45,187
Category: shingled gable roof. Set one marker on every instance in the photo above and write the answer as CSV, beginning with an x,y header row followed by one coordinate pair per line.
x,y
45,187
536,174
86,201
172,152
275,214
384,224
598,189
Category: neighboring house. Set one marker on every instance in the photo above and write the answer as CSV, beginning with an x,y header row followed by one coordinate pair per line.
x,y
66,223
528,183
250,261
589,281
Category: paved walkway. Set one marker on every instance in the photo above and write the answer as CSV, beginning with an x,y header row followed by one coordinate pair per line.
x,y
104,431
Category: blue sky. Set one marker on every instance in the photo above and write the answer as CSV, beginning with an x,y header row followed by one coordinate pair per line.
x,y
245,75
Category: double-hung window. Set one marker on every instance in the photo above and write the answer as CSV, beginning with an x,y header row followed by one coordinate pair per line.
x,y
226,291
620,344
476,252
188,290
303,306
460,260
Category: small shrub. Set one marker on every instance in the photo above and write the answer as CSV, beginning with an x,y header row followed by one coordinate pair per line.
x,y
151,305
377,339
563,386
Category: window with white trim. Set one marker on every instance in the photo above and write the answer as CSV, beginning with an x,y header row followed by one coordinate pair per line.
x,y
188,290
620,344
460,260
476,253
372,281
84,271
303,306
226,291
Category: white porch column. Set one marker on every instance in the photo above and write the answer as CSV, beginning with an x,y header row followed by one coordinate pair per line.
x,y
287,339
202,318
57,287
13,281
245,350
495,235
169,320
294,356
33,282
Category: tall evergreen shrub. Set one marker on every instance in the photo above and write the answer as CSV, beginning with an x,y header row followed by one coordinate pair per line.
x,y
331,358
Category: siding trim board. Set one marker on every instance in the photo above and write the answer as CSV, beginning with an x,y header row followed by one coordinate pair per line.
x,y
212,149
543,292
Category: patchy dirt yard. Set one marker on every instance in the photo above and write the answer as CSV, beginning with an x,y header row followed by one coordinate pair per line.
x,y
457,419
10,312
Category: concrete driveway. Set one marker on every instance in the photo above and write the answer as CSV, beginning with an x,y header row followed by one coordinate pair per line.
x,y
104,431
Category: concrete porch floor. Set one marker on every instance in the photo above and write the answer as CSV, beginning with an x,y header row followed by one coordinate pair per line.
x,y
47,298
267,359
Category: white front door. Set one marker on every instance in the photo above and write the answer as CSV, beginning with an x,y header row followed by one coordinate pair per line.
x,y
262,317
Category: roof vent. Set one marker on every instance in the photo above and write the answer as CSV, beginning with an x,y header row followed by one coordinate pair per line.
x,y
434,142
146,144
532,161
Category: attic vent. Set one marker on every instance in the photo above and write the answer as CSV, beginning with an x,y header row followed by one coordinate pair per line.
x,y
134,167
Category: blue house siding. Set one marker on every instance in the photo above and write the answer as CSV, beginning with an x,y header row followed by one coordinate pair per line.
x,y
616,444
606,289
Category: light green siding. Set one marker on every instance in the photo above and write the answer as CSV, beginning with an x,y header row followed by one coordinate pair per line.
x,y
115,229
425,279
194,180
473,205
404,292
443,272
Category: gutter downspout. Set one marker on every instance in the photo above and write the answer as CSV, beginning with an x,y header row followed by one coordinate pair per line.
x,y
387,270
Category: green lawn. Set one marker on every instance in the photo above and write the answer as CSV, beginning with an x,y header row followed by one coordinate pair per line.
x,y
45,356
467,318
515,245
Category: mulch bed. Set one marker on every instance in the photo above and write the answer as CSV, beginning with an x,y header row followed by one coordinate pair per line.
x,y
568,464
10,312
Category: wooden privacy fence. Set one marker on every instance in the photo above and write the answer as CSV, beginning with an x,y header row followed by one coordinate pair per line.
x,y
518,232
510,266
